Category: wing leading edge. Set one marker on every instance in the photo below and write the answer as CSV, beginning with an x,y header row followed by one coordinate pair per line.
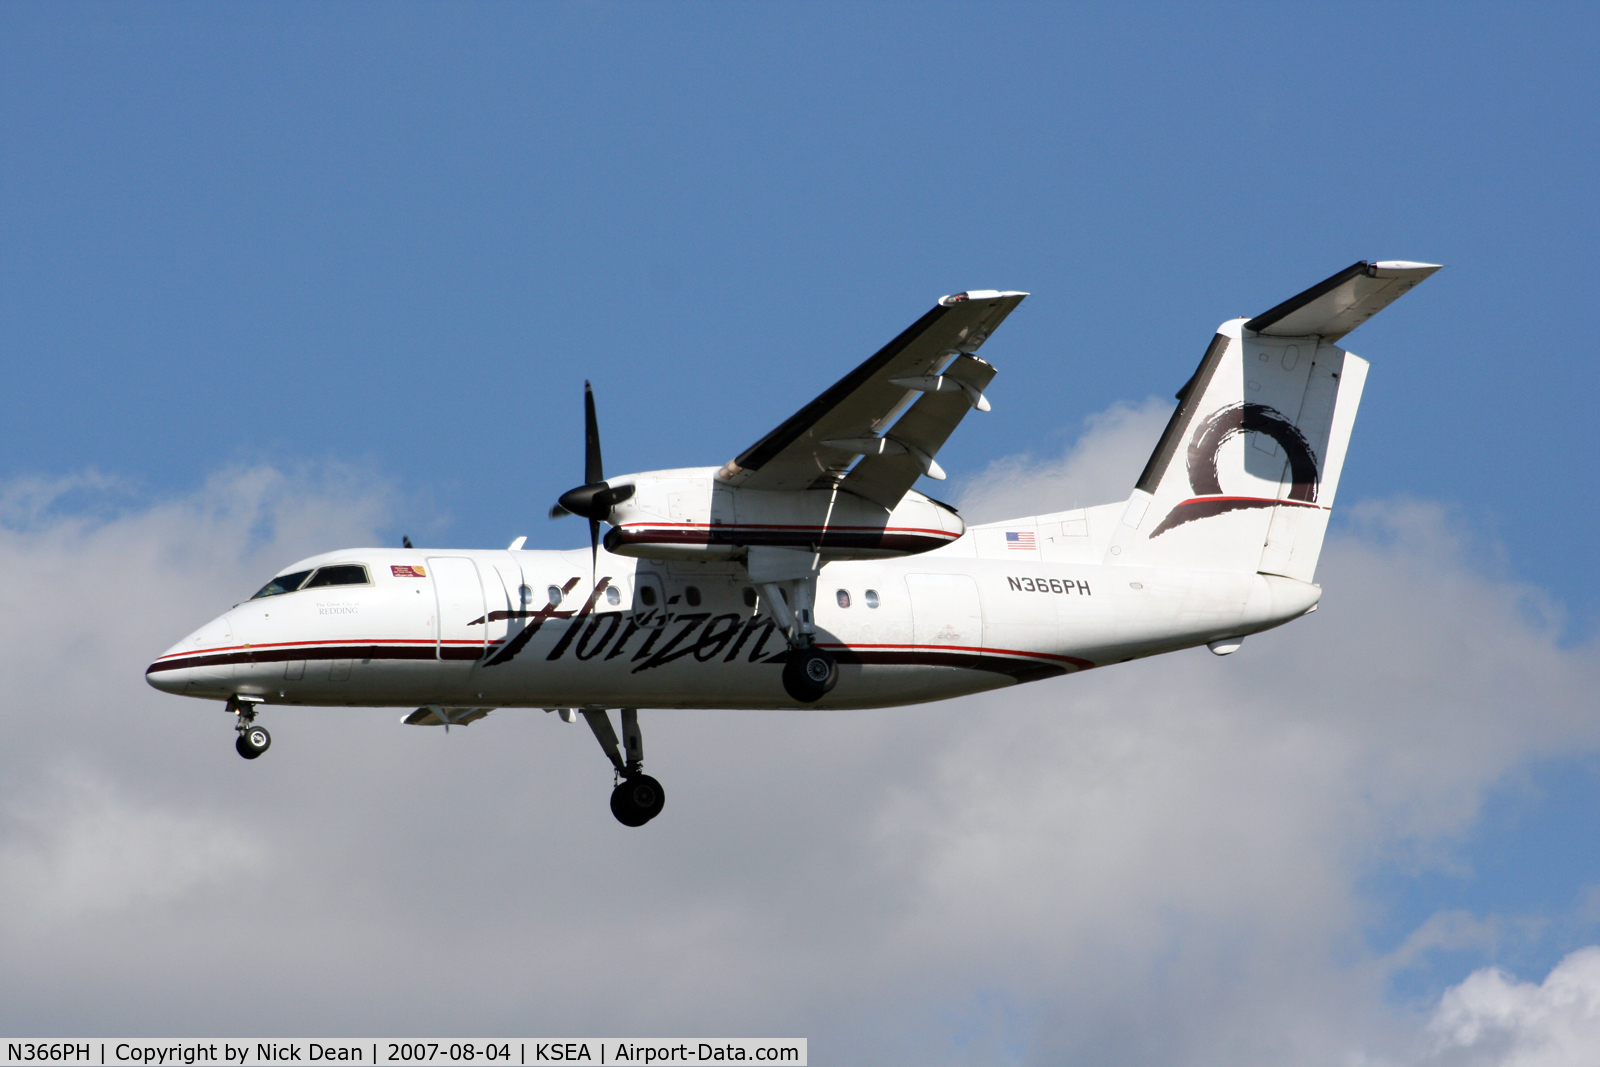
x,y
929,373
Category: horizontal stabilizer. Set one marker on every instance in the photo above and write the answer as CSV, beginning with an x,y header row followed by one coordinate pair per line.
x,y
1332,308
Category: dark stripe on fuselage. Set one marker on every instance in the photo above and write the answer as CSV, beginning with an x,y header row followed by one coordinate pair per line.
x,y
352,651
1025,667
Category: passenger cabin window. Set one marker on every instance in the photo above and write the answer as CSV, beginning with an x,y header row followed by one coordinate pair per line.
x,y
613,595
647,596
871,597
692,595
283,583
749,597
343,574
843,597
553,594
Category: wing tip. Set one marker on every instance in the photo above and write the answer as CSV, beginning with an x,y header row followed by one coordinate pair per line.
x,y
1403,268
979,294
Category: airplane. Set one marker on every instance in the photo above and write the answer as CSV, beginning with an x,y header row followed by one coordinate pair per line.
x,y
807,572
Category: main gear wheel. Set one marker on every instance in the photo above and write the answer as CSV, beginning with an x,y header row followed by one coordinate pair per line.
x,y
809,673
637,800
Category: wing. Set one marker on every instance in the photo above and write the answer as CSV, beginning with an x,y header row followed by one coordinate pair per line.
x,y
931,363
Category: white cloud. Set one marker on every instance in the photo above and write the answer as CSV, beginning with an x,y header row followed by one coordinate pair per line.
x,y
1492,1019
1099,467
81,849
1150,863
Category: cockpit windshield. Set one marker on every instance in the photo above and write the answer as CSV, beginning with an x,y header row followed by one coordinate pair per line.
x,y
339,574
283,583
344,574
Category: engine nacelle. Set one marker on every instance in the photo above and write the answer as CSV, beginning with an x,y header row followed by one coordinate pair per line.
x,y
686,514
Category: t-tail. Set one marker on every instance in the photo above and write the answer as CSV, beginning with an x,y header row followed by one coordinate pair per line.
x,y
1245,474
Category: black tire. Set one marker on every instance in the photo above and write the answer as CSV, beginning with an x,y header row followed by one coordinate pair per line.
x,y
253,740
637,800
809,674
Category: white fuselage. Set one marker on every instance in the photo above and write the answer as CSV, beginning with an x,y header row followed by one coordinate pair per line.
x,y
478,628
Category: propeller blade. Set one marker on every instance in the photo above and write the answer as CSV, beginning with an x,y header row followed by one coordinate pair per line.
x,y
594,498
594,546
593,469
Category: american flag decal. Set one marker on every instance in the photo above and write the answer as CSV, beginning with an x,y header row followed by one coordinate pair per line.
x,y
1023,540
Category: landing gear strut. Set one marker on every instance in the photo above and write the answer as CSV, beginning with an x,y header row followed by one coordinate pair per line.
x,y
809,672
253,740
638,798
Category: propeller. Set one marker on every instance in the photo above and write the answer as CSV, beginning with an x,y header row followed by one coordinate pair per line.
x,y
596,497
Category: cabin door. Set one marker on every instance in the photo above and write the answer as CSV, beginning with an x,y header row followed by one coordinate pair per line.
x,y
458,594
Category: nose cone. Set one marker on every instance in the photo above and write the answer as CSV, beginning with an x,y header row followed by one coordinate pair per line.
x,y
170,673
167,678
202,657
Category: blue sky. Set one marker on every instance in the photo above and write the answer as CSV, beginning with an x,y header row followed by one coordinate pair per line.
x,y
391,242
246,231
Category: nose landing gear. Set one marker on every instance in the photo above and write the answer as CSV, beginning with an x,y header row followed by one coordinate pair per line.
x,y
253,740
638,798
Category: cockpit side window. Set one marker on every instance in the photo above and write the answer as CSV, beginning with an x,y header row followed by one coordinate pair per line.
x,y
283,583
343,574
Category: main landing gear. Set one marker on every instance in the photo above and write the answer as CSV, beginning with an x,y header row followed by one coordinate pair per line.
x,y
638,798
253,740
809,673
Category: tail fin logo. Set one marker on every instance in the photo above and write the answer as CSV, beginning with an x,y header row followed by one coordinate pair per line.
x,y
1204,479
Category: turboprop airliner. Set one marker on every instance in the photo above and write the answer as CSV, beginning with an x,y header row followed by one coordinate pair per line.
x,y
807,572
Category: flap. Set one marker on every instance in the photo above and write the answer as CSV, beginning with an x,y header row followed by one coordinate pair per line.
x,y
884,476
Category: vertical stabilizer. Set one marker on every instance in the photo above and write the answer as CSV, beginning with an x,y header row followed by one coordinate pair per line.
x,y
1245,474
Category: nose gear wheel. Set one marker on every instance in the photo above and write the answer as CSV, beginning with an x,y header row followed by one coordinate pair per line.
x,y
253,740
